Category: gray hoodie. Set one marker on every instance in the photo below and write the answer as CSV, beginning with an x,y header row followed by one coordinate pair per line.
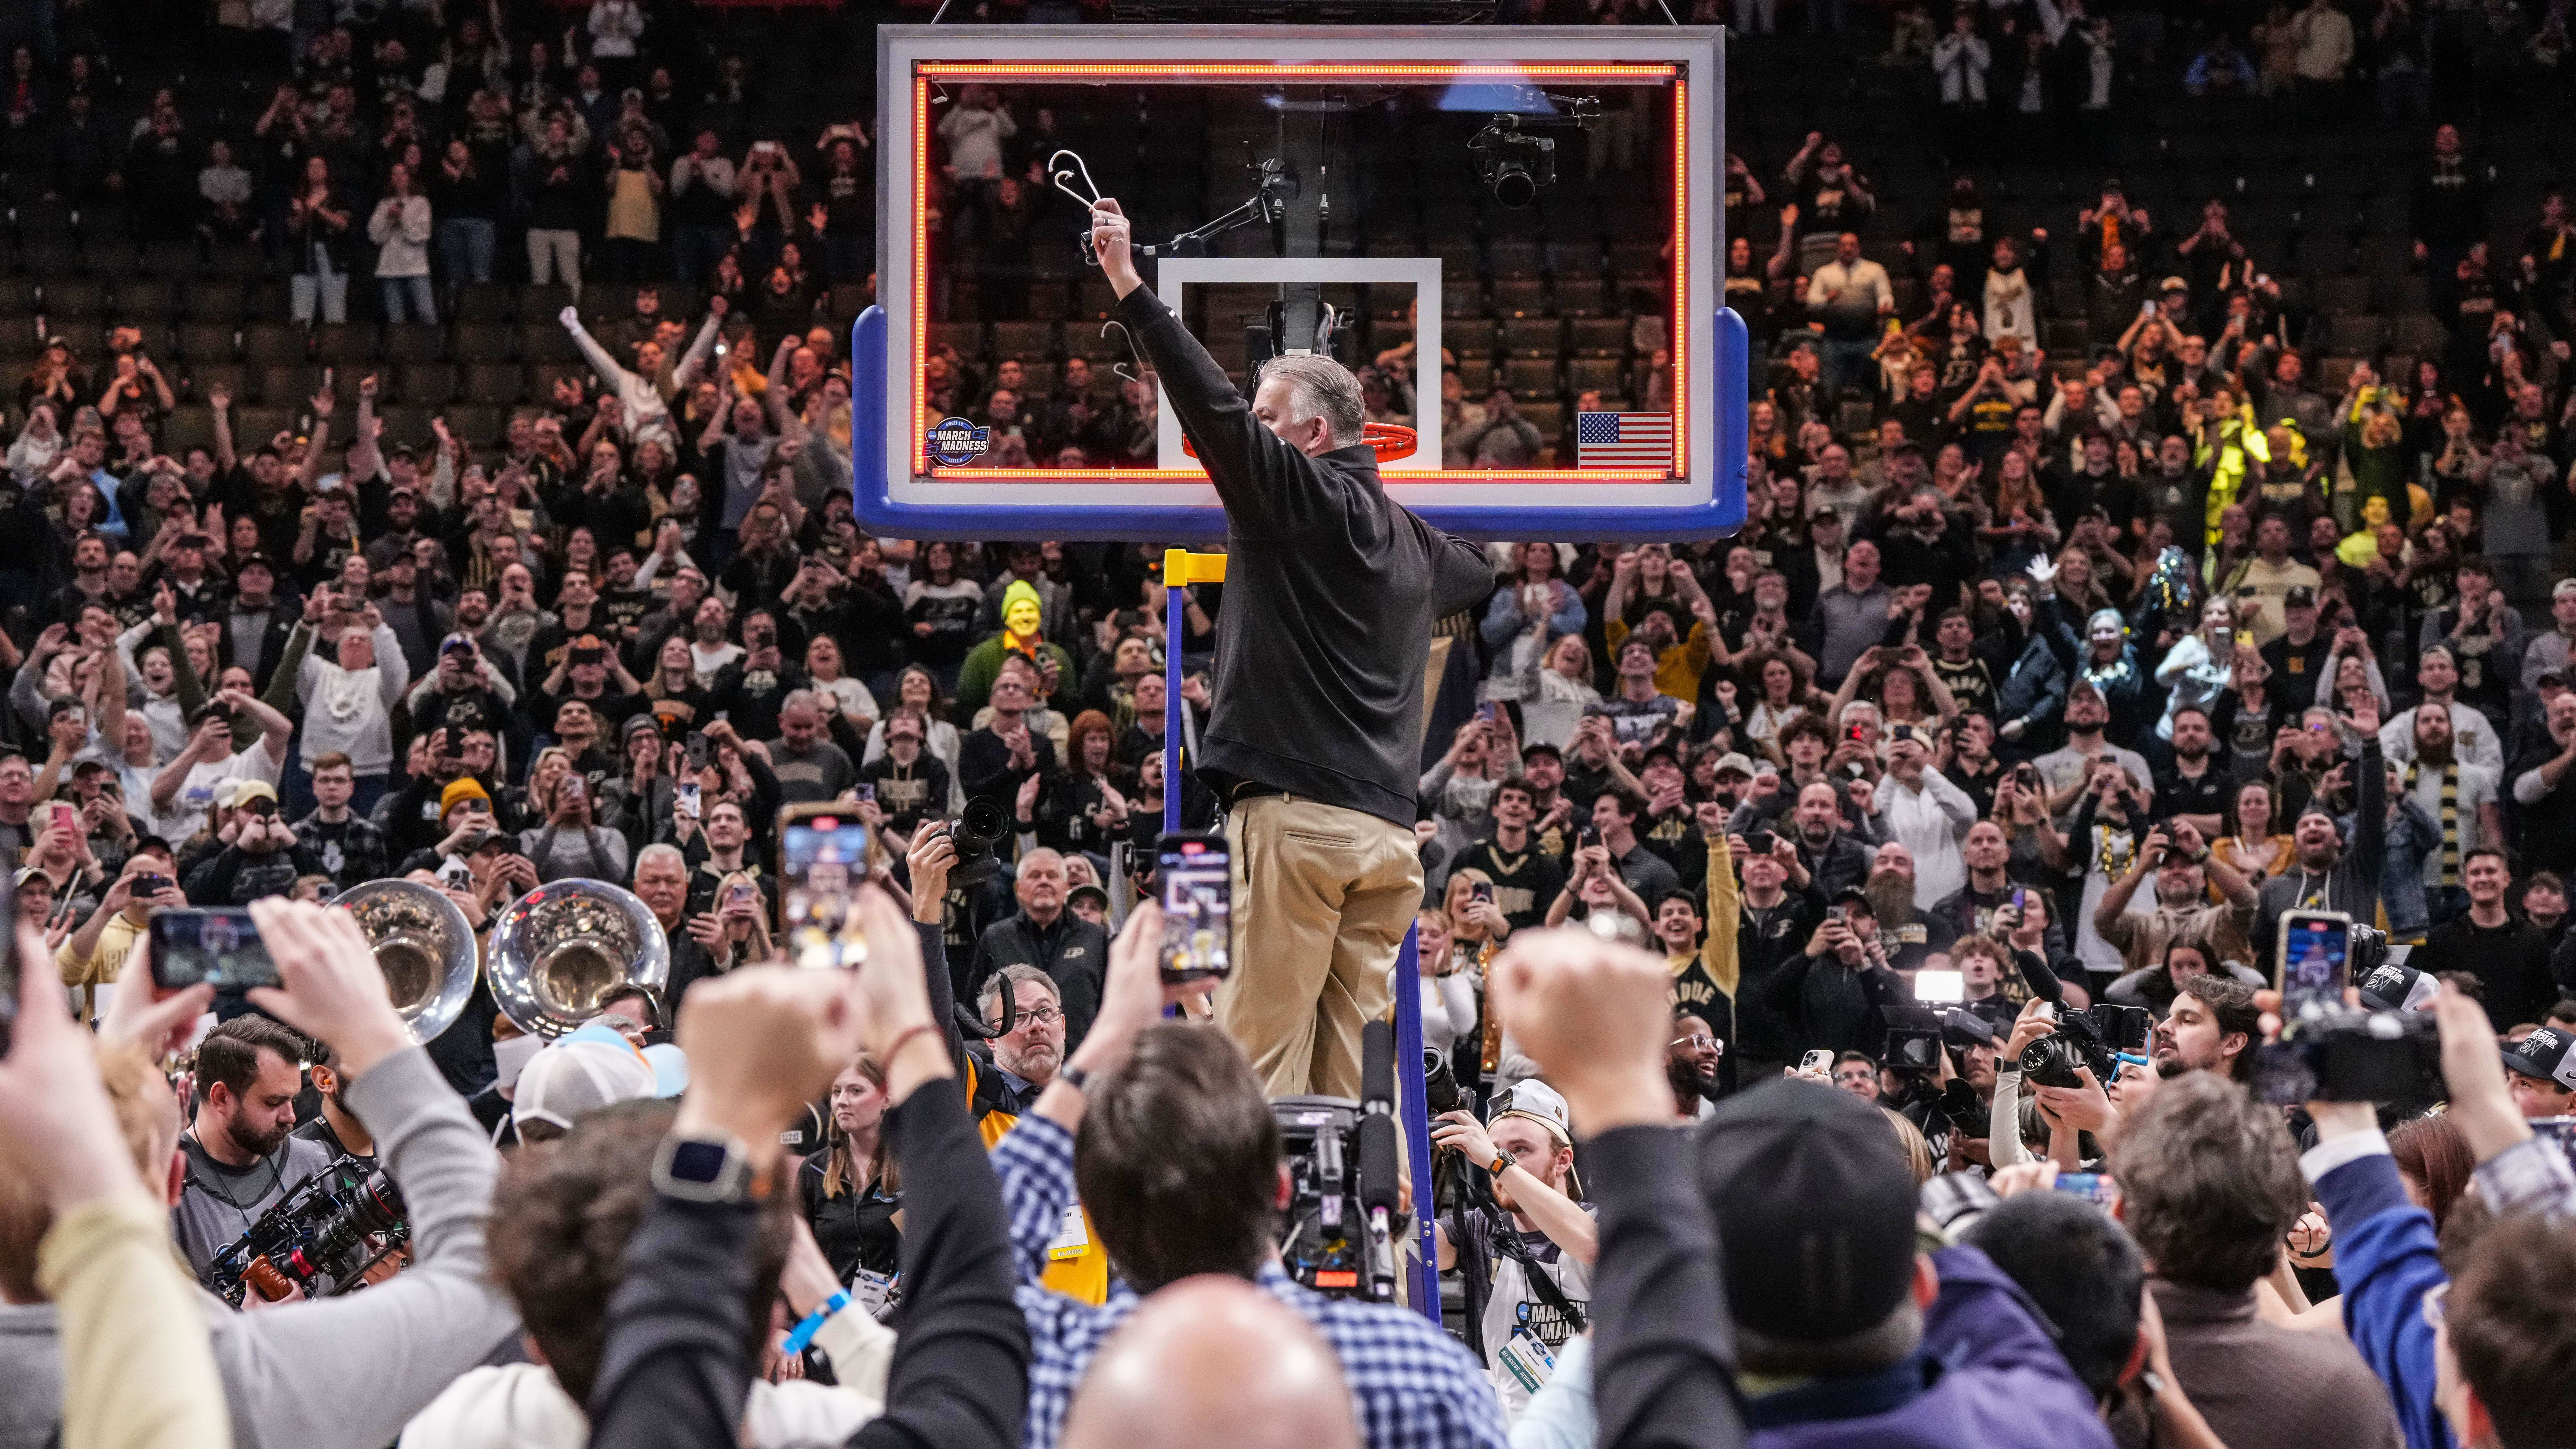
x,y
341,1373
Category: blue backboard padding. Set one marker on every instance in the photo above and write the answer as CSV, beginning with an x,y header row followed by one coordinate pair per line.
x,y
880,513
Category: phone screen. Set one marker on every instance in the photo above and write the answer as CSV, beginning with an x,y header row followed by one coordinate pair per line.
x,y
821,861
1198,907
684,798
215,947
2314,949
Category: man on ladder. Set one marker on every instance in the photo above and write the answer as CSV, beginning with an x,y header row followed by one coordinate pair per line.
x,y
1332,589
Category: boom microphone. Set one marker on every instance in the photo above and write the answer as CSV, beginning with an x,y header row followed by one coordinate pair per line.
x,y
2043,982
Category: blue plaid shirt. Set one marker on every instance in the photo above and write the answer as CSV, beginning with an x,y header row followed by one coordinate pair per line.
x,y
1412,1385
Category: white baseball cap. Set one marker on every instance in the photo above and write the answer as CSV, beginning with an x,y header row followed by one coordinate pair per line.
x,y
1540,1103
576,1075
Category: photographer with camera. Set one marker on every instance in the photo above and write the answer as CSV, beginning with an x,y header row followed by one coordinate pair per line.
x,y
2185,869
1163,1128
260,854
344,1372
1535,1269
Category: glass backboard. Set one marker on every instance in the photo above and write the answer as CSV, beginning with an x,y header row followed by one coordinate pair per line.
x,y
1533,207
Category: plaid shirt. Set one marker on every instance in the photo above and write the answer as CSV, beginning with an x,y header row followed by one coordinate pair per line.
x,y
2531,1176
1413,1386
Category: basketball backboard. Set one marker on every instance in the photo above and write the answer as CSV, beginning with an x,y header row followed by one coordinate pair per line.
x,y
1536,206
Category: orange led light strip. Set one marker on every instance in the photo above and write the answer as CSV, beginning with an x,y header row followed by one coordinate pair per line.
x,y
1392,475
913,384
926,72
1681,278
1279,70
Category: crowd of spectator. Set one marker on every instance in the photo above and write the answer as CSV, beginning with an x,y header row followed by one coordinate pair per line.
x,y
2148,537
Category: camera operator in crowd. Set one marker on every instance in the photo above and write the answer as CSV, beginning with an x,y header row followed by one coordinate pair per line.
x,y
338,1373
1535,1267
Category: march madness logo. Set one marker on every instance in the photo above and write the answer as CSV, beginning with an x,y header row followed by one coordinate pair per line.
x,y
955,442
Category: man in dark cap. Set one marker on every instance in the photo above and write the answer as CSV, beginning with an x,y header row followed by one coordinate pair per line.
x,y
1842,1331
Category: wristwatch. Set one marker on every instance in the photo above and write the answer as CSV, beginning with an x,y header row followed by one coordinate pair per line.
x,y
1502,1160
1076,1078
709,1169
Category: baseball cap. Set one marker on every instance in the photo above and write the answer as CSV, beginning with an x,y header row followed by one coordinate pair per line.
x,y
2173,284
640,724
2300,596
1093,891
1813,1200
2392,987
454,642
2545,1054
1540,1103
27,873
1542,747
1734,760
2563,588
242,792
1854,896
581,1073
251,561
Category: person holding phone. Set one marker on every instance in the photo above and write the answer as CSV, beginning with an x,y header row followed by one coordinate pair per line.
x,y
93,956
571,844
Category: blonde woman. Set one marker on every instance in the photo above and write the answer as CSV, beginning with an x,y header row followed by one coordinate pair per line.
x,y
1449,984
2200,666
736,932
1555,693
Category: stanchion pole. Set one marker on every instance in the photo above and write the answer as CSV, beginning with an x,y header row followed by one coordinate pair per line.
x,y
1413,1105
1181,568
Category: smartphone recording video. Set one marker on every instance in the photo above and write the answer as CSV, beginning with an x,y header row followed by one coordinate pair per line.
x,y
1198,906
822,861
2314,956
218,948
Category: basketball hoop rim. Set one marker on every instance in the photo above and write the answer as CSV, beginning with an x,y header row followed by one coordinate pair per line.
x,y
1388,440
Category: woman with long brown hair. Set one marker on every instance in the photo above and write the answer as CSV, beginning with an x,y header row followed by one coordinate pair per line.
x,y
851,1192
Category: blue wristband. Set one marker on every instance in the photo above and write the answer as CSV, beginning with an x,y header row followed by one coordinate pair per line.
x,y
813,1324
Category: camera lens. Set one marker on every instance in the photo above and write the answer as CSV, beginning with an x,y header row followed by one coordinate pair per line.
x,y
2050,1062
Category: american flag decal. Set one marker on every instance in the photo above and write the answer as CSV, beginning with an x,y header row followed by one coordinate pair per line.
x,y
1623,440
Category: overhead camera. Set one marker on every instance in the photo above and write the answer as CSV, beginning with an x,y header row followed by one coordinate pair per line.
x,y
1516,165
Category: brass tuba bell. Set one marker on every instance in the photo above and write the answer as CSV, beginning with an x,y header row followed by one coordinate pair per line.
x,y
559,949
423,944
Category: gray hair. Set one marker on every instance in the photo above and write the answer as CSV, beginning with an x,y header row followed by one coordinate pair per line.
x,y
989,995
657,851
1319,387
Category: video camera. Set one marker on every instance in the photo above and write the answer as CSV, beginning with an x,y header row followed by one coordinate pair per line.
x,y
321,1237
1343,1175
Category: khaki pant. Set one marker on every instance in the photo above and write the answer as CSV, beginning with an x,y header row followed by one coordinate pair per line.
x,y
1322,899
